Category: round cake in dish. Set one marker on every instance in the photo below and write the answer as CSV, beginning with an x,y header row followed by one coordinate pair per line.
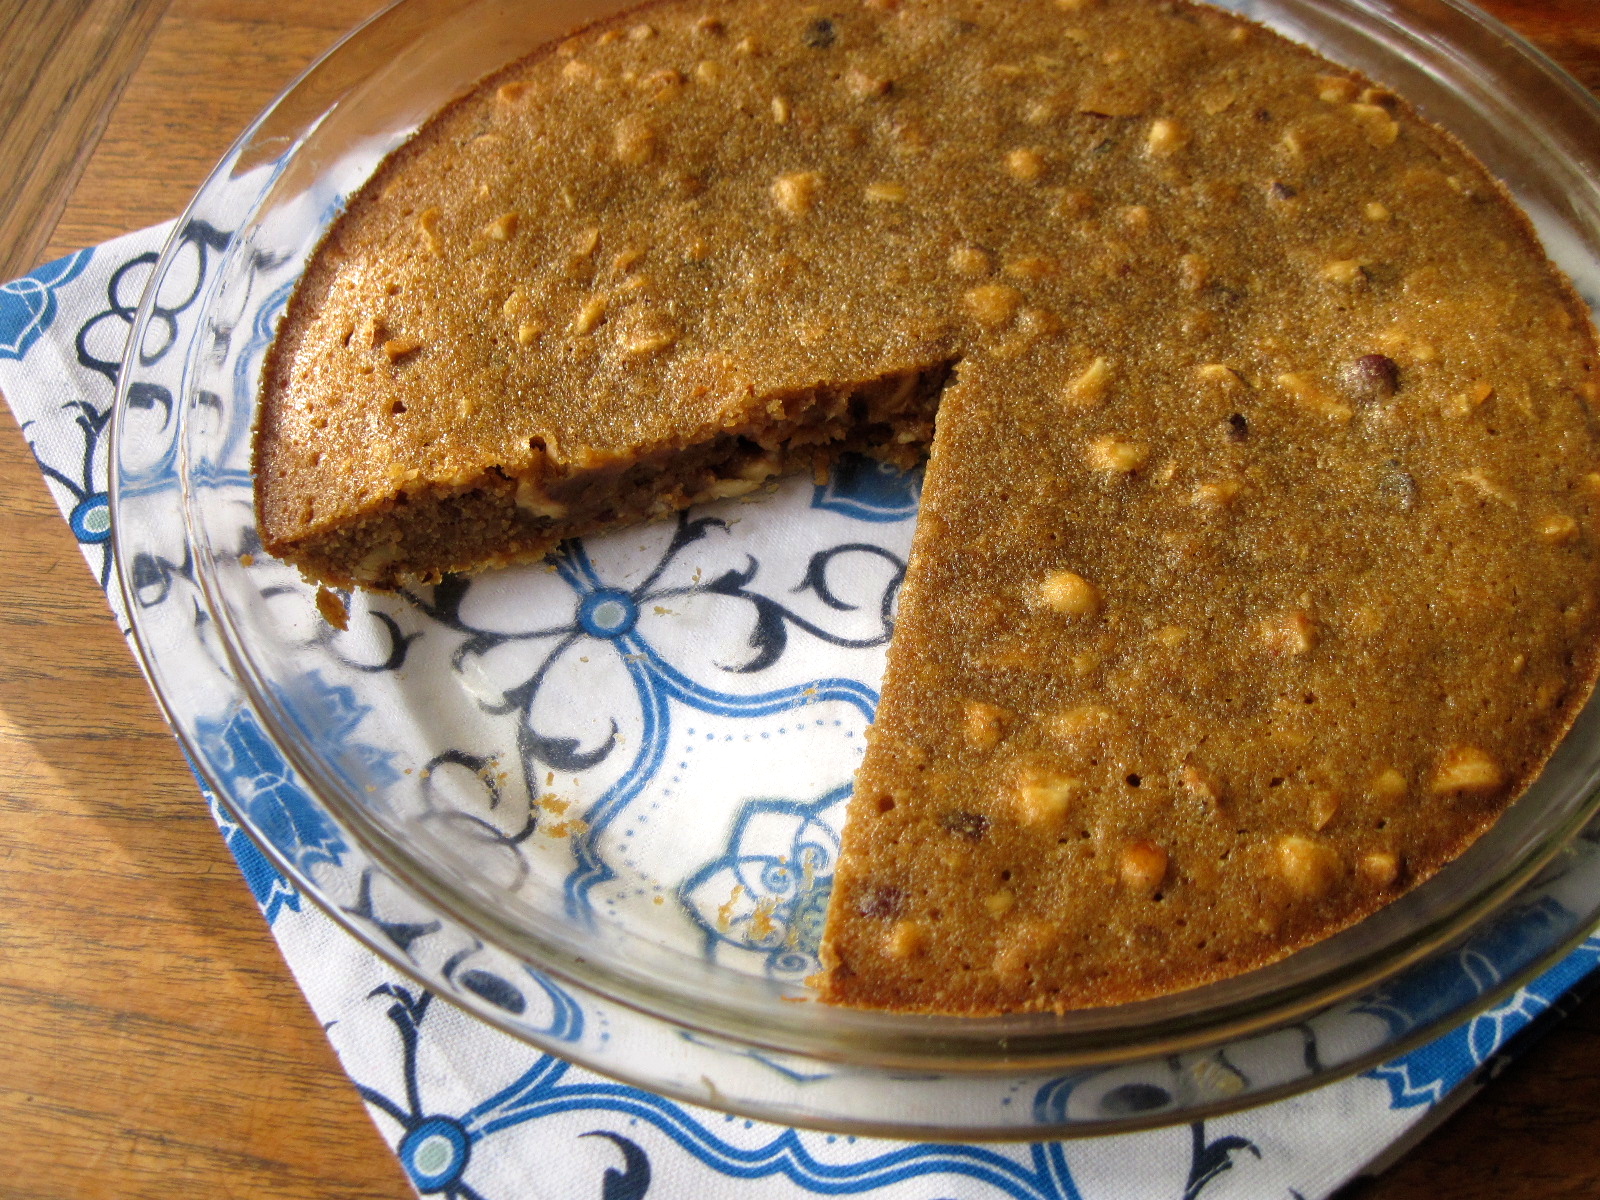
x,y
1254,574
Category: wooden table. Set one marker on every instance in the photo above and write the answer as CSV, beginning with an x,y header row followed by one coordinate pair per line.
x,y
151,1041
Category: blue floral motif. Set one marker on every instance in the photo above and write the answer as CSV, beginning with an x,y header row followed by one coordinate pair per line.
x,y
1145,1090
101,341
90,519
28,305
768,894
258,777
436,1148
273,892
1427,1074
1446,984
869,490
328,715
606,620
90,515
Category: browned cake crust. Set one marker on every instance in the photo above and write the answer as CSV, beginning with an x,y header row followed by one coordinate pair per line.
x,y
1255,571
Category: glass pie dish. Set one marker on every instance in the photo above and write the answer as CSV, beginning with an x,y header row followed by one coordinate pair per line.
x,y
596,801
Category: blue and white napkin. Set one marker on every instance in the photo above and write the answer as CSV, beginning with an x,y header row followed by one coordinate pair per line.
x,y
476,1115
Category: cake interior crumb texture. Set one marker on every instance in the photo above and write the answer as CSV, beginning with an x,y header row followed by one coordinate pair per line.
x,y
1255,569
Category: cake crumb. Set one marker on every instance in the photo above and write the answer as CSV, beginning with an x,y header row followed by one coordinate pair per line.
x,y
333,609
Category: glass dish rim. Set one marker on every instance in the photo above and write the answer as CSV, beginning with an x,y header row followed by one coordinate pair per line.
x,y
468,912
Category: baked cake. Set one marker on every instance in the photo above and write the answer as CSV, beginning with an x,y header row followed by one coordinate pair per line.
x,y
1255,570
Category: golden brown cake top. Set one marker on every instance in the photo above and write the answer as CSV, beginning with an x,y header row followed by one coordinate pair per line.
x,y
633,238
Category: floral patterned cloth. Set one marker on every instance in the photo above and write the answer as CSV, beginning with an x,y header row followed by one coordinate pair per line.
x,y
476,1115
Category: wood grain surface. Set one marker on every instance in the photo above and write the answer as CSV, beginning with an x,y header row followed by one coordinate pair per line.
x,y
62,64
152,1043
